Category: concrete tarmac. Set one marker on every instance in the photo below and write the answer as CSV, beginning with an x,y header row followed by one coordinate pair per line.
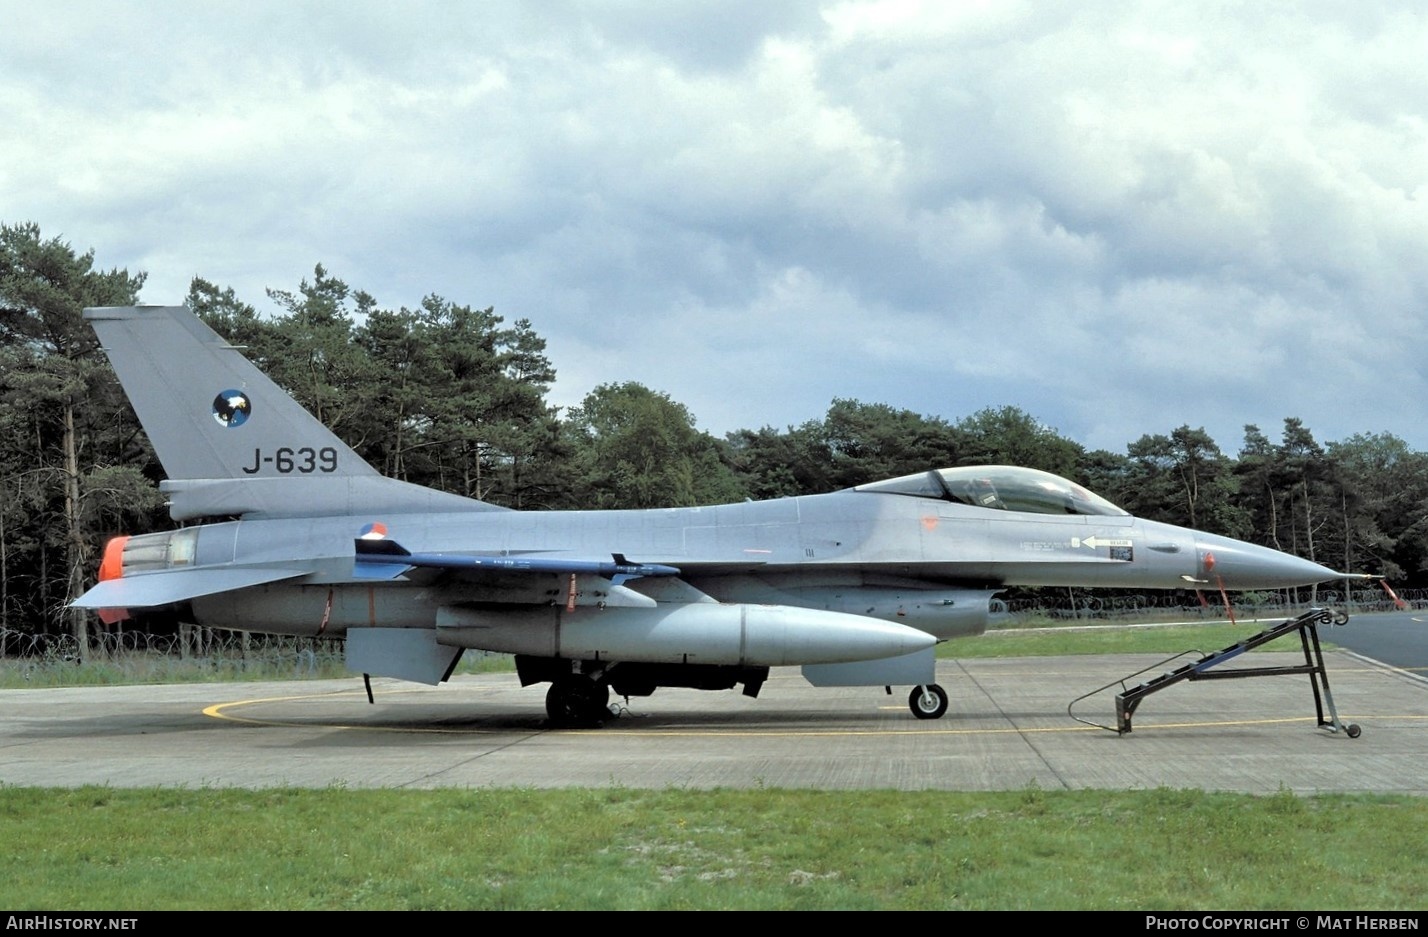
x,y
1007,728
1397,638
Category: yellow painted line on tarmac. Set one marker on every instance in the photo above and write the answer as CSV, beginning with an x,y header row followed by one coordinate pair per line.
x,y
220,711
696,732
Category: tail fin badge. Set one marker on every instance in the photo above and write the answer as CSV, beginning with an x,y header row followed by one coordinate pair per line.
x,y
231,408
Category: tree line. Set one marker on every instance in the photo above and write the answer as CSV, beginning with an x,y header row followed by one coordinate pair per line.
x,y
453,397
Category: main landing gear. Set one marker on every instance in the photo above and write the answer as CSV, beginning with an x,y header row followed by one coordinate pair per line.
x,y
578,701
928,702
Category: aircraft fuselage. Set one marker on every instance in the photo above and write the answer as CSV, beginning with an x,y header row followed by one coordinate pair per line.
x,y
861,552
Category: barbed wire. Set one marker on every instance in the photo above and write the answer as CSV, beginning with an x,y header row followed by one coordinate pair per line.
x,y
211,646
1254,603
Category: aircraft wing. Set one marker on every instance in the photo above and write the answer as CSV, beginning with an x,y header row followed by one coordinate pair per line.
x,y
514,578
148,590
386,559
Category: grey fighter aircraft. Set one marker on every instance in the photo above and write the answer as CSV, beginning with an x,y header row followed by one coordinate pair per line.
x,y
302,537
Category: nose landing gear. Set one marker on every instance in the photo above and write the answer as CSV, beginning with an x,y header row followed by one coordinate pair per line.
x,y
928,702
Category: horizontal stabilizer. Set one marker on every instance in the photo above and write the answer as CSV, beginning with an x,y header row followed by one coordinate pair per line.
x,y
148,590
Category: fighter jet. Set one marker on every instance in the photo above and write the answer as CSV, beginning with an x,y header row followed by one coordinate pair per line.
x,y
300,536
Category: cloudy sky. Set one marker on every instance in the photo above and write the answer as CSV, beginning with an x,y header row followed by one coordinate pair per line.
x,y
1121,217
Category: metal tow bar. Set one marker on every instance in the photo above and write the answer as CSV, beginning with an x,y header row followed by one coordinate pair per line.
x,y
1307,625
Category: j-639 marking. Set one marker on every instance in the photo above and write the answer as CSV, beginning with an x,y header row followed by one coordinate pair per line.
x,y
304,460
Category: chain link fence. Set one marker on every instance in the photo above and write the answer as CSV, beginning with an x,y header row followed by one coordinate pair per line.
x,y
1076,606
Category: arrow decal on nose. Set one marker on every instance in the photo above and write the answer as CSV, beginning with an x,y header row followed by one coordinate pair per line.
x,y
1095,543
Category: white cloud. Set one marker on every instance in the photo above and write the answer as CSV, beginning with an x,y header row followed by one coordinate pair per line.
x,y
1120,217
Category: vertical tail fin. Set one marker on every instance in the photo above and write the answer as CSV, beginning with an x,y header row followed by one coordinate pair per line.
x,y
209,412
231,440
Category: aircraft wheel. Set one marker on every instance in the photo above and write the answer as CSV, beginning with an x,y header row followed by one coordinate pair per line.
x,y
928,702
577,702
1352,730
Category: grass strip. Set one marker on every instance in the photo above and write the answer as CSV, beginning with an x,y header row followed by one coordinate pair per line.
x,y
619,848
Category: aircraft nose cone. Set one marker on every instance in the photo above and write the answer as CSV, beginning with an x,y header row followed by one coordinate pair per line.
x,y
1239,565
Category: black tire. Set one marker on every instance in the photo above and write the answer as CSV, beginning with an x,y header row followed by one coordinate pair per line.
x,y
928,702
577,702
1352,730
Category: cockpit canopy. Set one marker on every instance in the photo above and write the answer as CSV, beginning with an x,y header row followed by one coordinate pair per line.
x,y
1000,488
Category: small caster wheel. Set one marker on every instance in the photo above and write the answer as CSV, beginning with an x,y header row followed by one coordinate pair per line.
x,y
1352,730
